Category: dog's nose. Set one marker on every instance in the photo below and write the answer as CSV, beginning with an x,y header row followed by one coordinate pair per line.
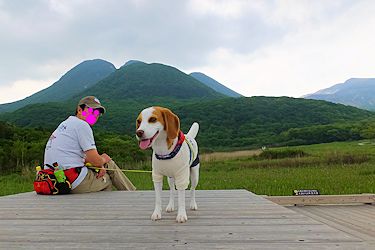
x,y
140,133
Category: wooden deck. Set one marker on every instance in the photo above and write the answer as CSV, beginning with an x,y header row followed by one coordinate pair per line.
x,y
227,219
355,219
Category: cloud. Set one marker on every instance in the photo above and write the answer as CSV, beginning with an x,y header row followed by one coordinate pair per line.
x,y
255,47
221,8
318,51
20,89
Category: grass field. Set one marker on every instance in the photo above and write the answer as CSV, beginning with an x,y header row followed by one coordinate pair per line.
x,y
332,168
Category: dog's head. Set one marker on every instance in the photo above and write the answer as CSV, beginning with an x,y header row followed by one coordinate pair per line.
x,y
156,123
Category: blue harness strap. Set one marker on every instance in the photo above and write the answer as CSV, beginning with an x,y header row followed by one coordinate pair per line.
x,y
192,156
195,162
181,138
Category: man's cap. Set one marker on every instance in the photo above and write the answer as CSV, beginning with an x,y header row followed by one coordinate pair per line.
x,y
92,102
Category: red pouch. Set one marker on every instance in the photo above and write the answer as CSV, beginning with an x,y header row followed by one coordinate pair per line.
x,y
46,183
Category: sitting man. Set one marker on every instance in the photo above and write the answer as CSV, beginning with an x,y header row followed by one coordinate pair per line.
x,y
72,145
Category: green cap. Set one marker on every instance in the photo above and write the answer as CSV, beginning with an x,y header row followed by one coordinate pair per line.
x,y
92,102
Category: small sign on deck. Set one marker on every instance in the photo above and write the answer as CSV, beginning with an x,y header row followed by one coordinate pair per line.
x,y
306,192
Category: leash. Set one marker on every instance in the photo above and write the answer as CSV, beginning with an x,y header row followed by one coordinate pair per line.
x,y
134,170
89,165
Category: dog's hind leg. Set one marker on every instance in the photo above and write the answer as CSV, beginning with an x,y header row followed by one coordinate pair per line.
x,y
170,207
194,178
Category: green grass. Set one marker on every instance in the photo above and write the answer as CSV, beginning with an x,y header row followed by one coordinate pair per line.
x,y
332,168
16,183
282,181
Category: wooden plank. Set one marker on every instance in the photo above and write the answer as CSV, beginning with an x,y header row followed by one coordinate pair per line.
x,y
201,221
322,199
259,245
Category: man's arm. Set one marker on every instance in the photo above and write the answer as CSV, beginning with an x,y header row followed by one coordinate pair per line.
x,y
95,159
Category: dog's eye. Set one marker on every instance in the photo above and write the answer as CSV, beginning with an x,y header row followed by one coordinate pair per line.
x,y
152,120
138,122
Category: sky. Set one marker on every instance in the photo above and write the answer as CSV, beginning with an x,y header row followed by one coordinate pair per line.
x,y
257,48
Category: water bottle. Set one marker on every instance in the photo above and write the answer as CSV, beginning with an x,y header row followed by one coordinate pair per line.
x,y
37,168
59,173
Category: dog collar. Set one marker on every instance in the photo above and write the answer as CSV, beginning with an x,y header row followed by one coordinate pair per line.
x,y
181,139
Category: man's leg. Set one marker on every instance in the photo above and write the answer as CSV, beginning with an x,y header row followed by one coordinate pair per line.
x,y
93,184
119,180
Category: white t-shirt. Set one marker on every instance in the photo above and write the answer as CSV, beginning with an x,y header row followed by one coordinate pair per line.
x,y
67,146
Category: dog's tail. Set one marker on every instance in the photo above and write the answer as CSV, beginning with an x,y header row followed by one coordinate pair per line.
x,y
193,131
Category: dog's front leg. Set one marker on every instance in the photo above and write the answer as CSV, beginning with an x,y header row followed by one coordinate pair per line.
x,y
156,215
170,207
181,214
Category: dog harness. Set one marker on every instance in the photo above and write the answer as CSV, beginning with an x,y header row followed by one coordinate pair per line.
x,y
181,138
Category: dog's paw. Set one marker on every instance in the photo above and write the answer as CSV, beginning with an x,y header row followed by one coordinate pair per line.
x,y
193,205
181,218
170,207
156,215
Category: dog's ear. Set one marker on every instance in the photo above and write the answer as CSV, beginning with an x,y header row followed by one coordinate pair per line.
x,y
171,125
138,121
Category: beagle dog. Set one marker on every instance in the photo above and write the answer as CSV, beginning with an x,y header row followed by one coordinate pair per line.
x,y
175,155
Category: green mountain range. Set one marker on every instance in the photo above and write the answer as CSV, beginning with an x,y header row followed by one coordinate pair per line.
x,y
225,122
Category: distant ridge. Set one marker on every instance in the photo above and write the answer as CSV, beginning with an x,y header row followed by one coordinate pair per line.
x,y
357,92
212,83
131,62
79,78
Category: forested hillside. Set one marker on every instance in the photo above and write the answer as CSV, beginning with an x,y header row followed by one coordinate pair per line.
x,y
224,123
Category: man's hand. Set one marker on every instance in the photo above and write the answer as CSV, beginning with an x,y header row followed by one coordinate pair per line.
x,y
101,173
96,159
106,158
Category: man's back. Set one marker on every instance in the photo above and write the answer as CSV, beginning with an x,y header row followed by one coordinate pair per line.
x,y
68,142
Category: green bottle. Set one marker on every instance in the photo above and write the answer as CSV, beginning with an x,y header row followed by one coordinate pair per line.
x,y
59,173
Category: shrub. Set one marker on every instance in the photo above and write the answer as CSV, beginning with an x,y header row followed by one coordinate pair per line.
x,y
346,159
280,154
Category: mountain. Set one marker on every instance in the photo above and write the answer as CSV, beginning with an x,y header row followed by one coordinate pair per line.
x,y
357,92
212,83
81,77
225,122
144,82
124,92
135,80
